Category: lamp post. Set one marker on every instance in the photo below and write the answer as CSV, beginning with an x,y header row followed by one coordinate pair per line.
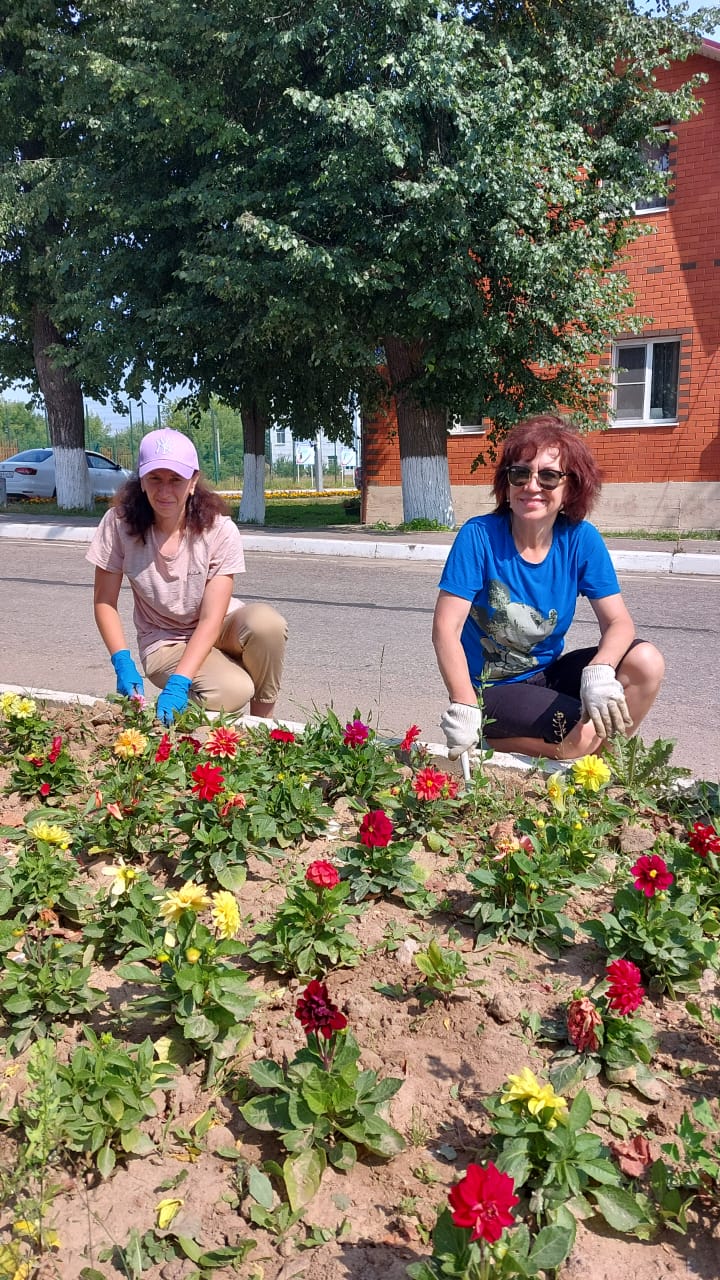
x,y
132,442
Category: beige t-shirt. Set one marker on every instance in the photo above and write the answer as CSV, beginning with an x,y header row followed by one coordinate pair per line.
x,y
167,590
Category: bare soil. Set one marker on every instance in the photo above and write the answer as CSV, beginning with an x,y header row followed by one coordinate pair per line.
x,y
450,1056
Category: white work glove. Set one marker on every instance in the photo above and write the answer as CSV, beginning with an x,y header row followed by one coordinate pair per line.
x,y
603,701
461,724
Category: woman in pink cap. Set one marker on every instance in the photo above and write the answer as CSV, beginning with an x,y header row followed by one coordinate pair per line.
x,y
170,534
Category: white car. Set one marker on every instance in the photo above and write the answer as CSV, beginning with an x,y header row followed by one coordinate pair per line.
x,y
31,474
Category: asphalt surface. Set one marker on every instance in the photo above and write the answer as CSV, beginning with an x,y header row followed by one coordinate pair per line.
x,y
359,637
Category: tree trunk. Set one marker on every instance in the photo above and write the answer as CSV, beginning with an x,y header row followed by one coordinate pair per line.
x,y
252,503
64,403
422,434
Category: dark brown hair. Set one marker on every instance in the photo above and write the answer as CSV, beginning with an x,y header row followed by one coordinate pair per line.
x,y
201,509
550,431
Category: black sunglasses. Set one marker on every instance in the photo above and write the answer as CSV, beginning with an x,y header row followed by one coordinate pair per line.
x,y
520,474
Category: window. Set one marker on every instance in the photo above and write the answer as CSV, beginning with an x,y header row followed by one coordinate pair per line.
x,y
657,158
280,435
97,463
471,421
645,377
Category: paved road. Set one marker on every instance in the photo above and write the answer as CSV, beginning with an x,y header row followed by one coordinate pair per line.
x,y
360,636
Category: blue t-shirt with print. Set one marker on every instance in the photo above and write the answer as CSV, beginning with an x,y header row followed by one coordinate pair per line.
x,y
520,612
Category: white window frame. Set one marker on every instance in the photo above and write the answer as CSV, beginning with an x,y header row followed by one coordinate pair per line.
x,y
466,429
645,421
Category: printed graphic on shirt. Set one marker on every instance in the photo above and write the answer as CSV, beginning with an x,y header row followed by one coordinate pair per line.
x,y
510,633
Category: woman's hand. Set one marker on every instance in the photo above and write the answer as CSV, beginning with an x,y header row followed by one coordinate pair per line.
x,y
603,701
173,699
129,680
462,726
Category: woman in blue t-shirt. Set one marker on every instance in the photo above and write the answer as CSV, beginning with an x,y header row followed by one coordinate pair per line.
x,y
507,598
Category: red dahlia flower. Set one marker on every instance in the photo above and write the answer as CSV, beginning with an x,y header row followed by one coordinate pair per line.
x,y
625,993
164,749
281,735
431,784
191,741
55,749
356,733
651,875
322,875
703,840
208,781
222,742
316,1012
482,1201
411,736
45,789
582,1019
376,830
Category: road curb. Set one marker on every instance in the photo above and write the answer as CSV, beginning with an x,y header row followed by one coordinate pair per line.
x,y
674,562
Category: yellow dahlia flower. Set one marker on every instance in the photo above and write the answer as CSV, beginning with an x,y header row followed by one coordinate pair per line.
x,y
50,833
591,773
129,743
526,1090
24,708
225,914
191,897
123,877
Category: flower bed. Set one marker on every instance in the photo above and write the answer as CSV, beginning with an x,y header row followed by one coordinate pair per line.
x,y
281,1004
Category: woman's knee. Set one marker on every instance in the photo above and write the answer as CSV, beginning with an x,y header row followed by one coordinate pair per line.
x,y
643,665
257,621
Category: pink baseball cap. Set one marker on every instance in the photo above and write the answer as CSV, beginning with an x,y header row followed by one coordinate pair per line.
x,y
167,450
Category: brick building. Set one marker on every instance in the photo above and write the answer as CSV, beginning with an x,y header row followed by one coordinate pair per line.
x,y
660,458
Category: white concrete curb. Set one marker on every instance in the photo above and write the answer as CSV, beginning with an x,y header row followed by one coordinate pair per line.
x,y
679,562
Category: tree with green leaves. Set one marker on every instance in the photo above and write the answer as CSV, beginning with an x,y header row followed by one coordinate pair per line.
x,y
169,104
36,163
457,185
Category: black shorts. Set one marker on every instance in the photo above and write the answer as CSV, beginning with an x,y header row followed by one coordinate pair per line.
x,y
546,705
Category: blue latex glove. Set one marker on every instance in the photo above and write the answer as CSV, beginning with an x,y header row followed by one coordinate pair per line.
x,y
129,680
173,699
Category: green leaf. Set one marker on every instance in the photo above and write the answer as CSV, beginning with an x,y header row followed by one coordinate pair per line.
x,y
265,1113
232,878
581,1110
302,1174
106,1161
550,1247
190,1248
268,1074
619,1208
260,1187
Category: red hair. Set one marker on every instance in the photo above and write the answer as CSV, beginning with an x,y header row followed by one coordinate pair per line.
x,y
550,431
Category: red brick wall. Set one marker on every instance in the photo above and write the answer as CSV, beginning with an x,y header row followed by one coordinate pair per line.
x,y
675,275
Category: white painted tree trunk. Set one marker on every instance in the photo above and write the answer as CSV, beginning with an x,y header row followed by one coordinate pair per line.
x,y
426,493
72,478
252,503
64,404
422,436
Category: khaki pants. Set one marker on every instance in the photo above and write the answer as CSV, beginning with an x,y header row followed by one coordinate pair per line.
x,y
246,661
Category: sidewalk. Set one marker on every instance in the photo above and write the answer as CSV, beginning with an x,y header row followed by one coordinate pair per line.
x,y
629,555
